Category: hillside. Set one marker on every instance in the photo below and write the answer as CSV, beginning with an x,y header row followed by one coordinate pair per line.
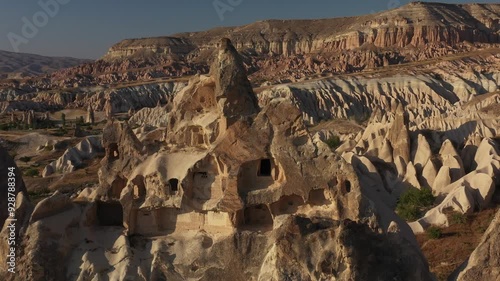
x,y
15,65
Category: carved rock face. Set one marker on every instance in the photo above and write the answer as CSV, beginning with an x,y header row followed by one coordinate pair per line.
x,y
229,190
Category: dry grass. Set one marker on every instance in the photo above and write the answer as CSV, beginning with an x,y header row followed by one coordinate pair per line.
x,y
340,126
78,179
456,243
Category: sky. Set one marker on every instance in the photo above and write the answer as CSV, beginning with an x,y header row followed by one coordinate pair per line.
x,y
87,28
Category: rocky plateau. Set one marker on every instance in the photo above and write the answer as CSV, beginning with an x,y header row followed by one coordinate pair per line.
x,y
279,150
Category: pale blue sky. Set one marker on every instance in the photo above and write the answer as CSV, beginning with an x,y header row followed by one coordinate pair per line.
x,y
87,28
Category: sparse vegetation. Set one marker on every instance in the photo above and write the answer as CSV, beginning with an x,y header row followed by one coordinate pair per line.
x,y
25,159
482,229
37,195
413,202
45,124
60,132
362,119
408,212
458,218
437,76
31,172
333,142
63,120
434,232
455,244
80,121
5,126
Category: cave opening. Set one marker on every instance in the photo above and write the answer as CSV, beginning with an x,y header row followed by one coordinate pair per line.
x,y
117,186
174,185
112,151
287,204
347,186
265,168
258,216
109,214
139,187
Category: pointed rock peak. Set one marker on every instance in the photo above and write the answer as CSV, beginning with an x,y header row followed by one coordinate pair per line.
x,y
377,115
474,139
398,134
447,148
401,113
233,91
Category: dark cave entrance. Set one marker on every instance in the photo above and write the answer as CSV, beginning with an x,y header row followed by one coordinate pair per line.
x,y
257,216
173,184
265,168
109,213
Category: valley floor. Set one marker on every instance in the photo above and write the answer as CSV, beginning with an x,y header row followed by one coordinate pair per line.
x,y
447,253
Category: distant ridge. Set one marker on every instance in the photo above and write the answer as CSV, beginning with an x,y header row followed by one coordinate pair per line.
x,y
16,65
415,24
290,50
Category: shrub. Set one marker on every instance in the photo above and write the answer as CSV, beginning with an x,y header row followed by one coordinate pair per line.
x,y
60,132
80,121
25,159
333,142
413,202
5,126
408,212
63,119
482,229
458,218
362,119
31,172
38,194
419,197
434,232
437,76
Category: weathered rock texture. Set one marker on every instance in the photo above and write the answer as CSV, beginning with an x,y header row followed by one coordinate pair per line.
x,y
19,65
74,157
390,156
230,191
292,49
6,162
484,262
122,98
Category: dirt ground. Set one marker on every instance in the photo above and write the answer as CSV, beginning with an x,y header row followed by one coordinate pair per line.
x,y
456,244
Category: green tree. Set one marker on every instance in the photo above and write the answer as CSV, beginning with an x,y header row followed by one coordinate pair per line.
x,y
25,159
63,120
31,172
413,202
333,142
434,232
80,120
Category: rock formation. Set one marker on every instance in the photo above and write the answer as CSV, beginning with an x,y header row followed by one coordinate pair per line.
x,y
6,162
124,98
90,119
398,137
74,157
108,109
276,163
279,50
21,65
230,191
484,263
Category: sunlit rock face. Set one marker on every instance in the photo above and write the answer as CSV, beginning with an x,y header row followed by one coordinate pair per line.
x,y
291,50
226,190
